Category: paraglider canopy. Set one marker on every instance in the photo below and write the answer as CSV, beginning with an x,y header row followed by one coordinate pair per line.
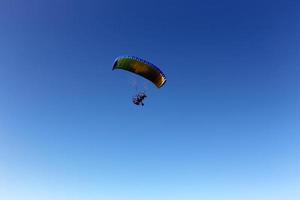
x,y
141,67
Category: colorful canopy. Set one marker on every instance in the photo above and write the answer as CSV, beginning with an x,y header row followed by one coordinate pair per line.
x,y
141,67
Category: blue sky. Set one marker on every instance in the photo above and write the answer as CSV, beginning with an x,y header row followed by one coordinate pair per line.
x,y
225,126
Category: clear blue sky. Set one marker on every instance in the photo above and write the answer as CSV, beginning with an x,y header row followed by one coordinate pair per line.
x,y
226,126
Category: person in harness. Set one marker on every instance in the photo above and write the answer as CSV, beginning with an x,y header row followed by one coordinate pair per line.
x,y
139,98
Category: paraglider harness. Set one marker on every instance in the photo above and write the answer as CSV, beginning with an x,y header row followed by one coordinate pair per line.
x,y
139,98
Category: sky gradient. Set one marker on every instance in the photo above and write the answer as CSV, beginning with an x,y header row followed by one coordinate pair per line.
x,y
226,126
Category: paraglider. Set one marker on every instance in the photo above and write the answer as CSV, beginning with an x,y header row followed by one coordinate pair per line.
x,y
139,99
141,68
